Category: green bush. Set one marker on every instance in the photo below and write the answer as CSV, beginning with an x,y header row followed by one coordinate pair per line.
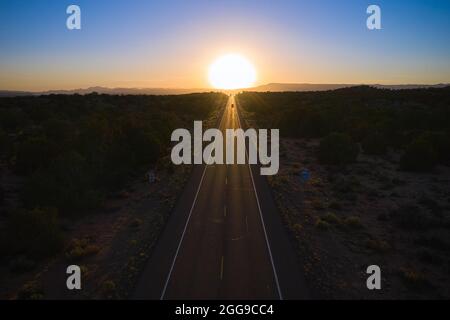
x,y
433,242
66,185
365,113
353,222
337,148
331,218
441,145
374,144
414,280
3,141
72,150
21,264
429,257
57,130
12,118
322,224
419,156
413,217
79,248
34,153
34,232
2,195
31,291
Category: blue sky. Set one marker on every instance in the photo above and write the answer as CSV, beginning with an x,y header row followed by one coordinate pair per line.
x,y
171,43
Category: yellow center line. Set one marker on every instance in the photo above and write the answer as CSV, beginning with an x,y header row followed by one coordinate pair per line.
x,y
221,269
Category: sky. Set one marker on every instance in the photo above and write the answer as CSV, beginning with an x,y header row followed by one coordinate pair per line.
x,y
171,43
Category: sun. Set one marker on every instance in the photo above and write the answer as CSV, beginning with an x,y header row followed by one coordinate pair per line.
x,y
232,71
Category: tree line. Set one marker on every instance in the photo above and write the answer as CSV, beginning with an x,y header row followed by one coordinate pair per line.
x,y
415,122
71,151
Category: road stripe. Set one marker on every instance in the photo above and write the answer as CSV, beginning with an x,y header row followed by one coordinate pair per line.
x,y
186,225
221,268
262,220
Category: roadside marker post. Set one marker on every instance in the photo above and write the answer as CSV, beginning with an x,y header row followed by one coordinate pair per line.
x,y
305,176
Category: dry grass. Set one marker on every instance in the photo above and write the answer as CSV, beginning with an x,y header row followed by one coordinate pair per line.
x,y
80,248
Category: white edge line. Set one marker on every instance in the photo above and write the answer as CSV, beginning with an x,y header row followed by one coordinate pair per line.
x,y
187,222
262,220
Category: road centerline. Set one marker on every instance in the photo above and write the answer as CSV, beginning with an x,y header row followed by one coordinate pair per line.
x,y
262,221
187,221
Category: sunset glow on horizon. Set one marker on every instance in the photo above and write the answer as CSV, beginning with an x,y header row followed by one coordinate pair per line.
x,y
172,44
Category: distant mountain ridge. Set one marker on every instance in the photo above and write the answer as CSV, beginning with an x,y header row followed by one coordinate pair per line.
x,y
272,87
105,90
280,87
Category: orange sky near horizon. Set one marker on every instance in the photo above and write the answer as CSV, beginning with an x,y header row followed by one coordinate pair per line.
x,y
172,45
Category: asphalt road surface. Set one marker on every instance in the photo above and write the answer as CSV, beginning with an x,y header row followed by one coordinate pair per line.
x,y
224,239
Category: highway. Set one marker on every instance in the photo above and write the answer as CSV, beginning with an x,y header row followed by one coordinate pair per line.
x,y
224,239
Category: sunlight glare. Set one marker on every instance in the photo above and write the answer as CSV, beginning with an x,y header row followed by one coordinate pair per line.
x,y
232,71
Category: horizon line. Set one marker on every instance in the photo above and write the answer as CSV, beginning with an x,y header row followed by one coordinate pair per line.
x,y
203,89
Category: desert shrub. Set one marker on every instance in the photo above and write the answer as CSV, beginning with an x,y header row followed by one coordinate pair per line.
x,y
346,185
142,145
318,204
433,242
298,228
376,245
337,148
79,248
358,129
67,185
109,289
429,257
136,223
432,205
375,144
331,218
31,291
21,264
414,280
357,111
412,217
2,195
74,149
335,205
58,130
419,156
322,225
353,222
3,141
12,118
34,232
306,123
441,145
34,153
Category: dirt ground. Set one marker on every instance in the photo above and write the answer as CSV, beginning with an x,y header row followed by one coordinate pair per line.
x,y
110,246
343,220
